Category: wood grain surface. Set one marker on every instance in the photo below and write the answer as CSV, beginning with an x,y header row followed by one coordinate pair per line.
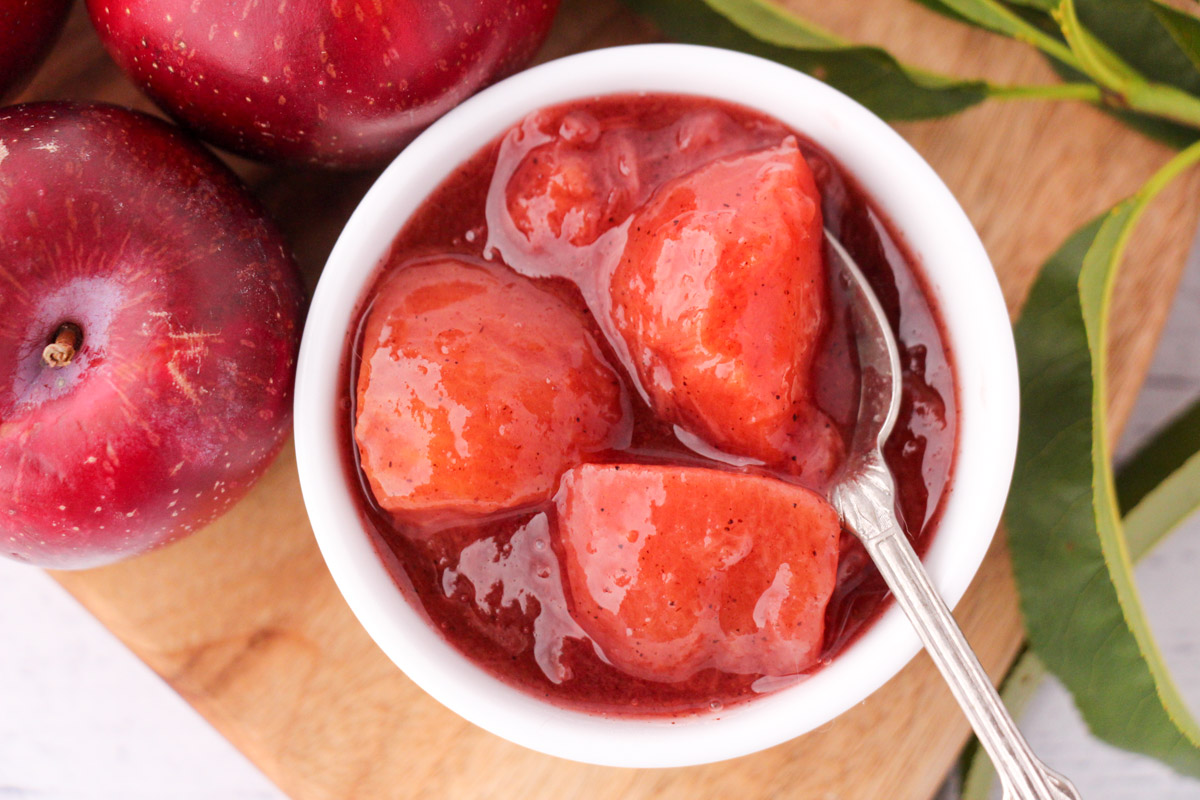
x,y
244,621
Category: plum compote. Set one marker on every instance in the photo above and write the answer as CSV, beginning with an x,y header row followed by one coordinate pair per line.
x,y
599,388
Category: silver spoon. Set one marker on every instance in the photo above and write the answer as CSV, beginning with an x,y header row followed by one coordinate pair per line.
x,y
865,498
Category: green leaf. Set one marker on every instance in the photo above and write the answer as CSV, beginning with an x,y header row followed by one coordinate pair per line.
x,y
1070,555
1164,453
944,10
1159,488
872,76
868,74
994,16
1172,134
1034,12
1039,13
1183,28
1133,30
1127,84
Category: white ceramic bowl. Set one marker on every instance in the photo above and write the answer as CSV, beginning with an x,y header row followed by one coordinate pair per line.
x,y
959,275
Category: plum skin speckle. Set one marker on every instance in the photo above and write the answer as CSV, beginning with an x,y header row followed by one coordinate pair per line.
x,y
167,263
311,82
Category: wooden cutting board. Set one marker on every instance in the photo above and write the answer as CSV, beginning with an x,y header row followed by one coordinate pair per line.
x,y
244,621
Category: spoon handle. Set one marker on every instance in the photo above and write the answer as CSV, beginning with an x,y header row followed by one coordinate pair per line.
x,y
1023,775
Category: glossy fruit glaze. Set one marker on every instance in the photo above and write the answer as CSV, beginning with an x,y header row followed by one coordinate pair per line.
x,y
574,198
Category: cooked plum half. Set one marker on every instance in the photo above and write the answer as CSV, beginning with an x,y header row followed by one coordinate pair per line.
x,y
720,299
477,390
575,186
677,569
567,183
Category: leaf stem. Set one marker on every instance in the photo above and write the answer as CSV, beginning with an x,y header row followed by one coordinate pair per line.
x,y
997,18
1126,88
1096,280
1165,101
1092,57
1088,92
67,339
1168,172
1048,45
1134,207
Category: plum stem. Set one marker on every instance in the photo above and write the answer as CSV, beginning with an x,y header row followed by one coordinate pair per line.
x,y
66,342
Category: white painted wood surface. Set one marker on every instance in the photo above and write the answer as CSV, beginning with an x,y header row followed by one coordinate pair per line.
x,y
82,719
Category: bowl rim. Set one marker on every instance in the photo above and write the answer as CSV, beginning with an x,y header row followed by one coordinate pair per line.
x,y
957,273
